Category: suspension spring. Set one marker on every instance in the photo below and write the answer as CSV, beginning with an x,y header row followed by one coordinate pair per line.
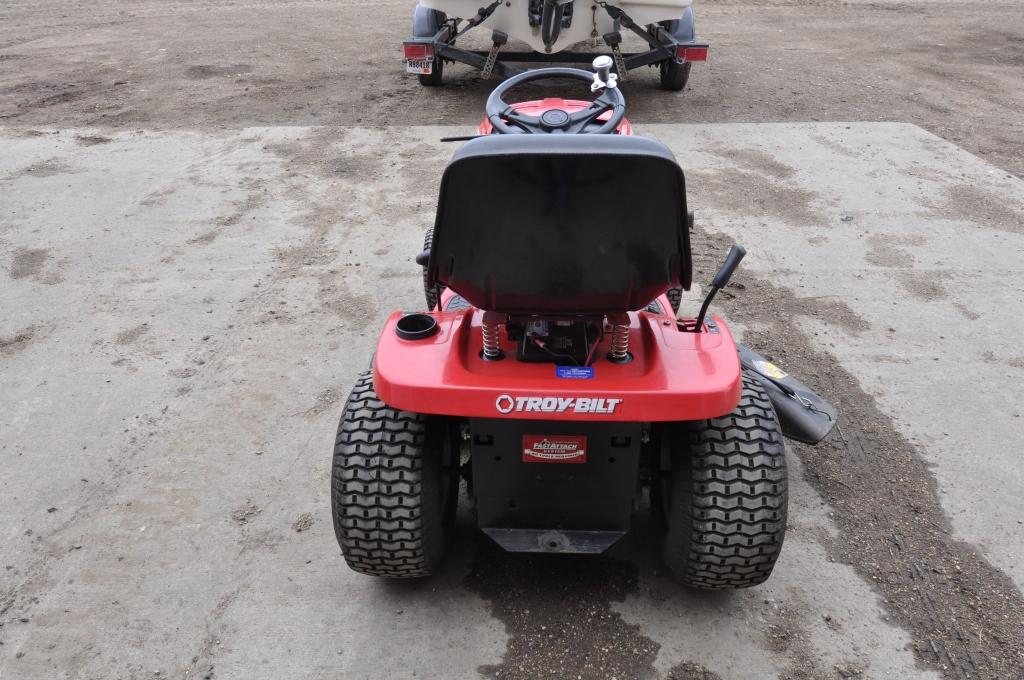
x,y
620,344
492,341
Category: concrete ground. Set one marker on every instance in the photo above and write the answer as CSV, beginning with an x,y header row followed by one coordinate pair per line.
x,y
197,249
185,311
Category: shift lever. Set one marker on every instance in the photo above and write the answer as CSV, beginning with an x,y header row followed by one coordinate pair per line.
x,y
603,76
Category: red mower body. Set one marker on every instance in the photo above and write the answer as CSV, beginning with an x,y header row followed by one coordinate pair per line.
x,y
675,375
538,106
550,372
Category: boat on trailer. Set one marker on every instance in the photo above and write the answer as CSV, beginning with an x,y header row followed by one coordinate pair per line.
x,y
554,30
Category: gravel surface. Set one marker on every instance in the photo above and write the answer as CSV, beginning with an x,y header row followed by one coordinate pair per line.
x,y
954,68
107,69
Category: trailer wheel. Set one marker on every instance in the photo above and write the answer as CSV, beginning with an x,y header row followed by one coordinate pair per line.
x,y
426,23
431,293
673,75
434,79
392,495
727,496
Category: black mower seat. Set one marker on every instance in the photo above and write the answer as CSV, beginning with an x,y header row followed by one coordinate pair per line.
x,y
563,224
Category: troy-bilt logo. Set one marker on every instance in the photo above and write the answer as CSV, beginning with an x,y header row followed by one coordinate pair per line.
x,y
508,404
554,449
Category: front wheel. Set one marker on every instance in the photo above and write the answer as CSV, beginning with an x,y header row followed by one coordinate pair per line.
x,y
727,496
392,492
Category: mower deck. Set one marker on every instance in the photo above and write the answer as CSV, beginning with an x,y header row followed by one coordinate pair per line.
x,y
675,375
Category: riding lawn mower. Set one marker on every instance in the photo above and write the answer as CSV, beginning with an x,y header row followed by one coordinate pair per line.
x,y
553,372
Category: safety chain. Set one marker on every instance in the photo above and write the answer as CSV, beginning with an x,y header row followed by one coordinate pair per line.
x,y
492,57
620,63
616,14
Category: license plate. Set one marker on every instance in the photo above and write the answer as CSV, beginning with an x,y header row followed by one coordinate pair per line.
x,y
558,448
419,66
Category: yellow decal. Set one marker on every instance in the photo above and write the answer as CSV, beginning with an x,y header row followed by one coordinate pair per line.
x,y
770,369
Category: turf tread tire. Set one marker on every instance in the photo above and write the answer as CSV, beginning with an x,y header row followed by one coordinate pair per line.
x,y
385,489
729,474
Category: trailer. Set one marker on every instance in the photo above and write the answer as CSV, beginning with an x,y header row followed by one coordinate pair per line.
x,y
557,32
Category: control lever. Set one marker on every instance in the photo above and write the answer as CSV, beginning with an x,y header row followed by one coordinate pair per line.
x,y
603,76
732,260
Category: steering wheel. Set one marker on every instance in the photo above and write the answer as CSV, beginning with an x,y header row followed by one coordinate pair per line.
x,y
507,120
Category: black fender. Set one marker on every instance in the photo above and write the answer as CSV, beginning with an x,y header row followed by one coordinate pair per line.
x,y
803,415
426,22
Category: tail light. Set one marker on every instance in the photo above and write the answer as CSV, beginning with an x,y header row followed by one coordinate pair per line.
x,y
692,52
417,50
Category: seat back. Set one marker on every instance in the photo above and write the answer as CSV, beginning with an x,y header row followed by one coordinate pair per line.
x,y
561,224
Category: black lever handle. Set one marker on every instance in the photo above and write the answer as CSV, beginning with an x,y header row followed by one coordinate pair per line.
x,y
732,260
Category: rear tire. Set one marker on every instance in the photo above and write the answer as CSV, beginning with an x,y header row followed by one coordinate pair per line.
x,y
728,496
393,503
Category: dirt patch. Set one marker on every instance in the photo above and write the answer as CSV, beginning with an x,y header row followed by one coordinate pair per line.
x,y
245,513
692,671
785,635
129,336
882,252
924,285
981,206
48,168
963,613
751,194
28,262
303,523
205,71
40,95
158,197
557,611
241,210
92,140
325,401
17,342
755,161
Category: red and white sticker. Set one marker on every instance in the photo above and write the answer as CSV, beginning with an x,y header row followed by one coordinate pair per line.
x,y
554,448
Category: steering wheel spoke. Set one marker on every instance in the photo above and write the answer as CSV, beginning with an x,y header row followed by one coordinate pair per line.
x,y
581,119
526,123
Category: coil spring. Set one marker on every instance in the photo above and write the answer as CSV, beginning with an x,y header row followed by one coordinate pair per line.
x,y
620,343
492,341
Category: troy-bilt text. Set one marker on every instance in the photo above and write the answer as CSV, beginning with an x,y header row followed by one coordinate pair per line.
x,y
507,404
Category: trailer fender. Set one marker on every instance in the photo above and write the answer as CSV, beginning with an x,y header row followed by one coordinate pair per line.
x,y
682,29
426,22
